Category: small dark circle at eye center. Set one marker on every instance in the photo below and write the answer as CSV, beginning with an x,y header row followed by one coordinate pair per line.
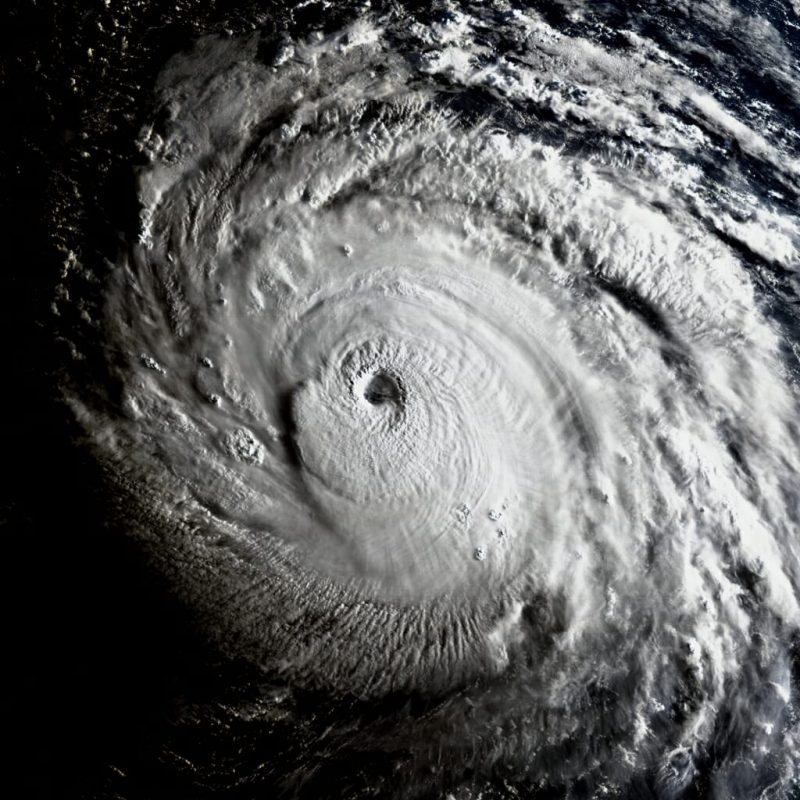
x,y
382,388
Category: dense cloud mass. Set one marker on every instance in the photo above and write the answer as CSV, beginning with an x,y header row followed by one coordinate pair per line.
x,y
453,380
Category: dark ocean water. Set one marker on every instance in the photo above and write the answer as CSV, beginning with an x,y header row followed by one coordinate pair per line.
x,y
535,267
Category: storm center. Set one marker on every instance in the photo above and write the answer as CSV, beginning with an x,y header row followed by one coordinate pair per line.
x,y
382,388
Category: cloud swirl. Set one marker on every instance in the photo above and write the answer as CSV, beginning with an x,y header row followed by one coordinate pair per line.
x,y
448,374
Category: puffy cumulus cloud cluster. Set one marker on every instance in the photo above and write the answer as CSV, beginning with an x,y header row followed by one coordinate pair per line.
x,y
412,398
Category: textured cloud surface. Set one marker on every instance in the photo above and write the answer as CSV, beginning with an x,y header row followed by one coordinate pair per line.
x,y
445,367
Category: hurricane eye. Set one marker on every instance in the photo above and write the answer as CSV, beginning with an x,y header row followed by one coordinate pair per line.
x,y
382,388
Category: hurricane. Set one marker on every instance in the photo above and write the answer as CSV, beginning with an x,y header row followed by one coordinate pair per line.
x,y
450,381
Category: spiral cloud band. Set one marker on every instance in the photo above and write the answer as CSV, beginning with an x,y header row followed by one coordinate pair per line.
x,y
448,373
